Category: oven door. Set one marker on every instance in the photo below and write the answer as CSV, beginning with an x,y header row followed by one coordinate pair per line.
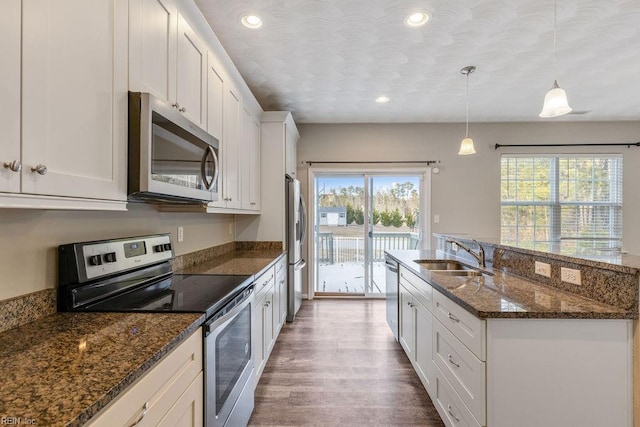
x,y
229,367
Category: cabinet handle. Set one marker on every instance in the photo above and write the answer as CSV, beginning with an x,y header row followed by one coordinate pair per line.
x,y
176,105
14,165
144,412
40,169
451,413
457,365
252,203
182,110
452,317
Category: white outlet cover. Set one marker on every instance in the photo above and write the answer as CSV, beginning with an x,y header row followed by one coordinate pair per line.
x,y
570,275
542,269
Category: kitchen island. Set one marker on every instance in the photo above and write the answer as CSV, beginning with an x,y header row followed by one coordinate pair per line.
x,y
495,347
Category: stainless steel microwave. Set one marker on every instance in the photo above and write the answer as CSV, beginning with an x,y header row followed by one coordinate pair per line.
x,y
171,159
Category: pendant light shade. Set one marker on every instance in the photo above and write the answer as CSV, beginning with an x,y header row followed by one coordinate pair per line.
x,y
466,146
555,101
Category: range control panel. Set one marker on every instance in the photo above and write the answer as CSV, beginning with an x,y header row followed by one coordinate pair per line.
x,y
113,256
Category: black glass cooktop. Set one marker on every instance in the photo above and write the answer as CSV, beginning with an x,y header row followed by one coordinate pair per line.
x,y
187,293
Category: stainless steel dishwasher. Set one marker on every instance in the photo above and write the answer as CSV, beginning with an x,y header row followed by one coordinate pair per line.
x,y
391,280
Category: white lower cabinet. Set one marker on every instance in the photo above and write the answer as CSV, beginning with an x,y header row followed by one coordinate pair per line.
x,y
171,394
263,332
516,372
415,327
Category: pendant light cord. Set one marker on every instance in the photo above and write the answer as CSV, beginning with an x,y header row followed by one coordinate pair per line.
x,y
468,72
555,30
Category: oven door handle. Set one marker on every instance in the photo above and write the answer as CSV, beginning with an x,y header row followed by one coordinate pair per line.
x,y
214,324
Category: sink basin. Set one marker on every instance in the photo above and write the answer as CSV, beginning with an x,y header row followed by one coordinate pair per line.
x,y
458,272
443,265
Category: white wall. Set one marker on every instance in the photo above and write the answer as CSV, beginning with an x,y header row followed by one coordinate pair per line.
x,y
29,238
466,192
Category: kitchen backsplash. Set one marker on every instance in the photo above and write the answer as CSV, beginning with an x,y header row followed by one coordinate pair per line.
x,y
29,307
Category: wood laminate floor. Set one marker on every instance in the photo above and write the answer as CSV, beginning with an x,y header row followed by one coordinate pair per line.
x,y
339,365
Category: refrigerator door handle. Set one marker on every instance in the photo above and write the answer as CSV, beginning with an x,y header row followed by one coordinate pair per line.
x,y
300,265
303,220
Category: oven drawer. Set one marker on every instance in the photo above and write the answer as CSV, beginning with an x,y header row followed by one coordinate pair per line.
x,y
158,390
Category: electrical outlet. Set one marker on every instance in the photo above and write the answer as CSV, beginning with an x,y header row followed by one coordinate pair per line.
x,y
180,234
570,275
543,269
436,219
230,228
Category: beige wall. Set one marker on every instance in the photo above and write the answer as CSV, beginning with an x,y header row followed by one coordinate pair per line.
x,y
29,238
465,194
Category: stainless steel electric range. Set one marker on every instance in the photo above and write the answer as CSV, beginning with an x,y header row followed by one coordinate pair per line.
x,y
135,275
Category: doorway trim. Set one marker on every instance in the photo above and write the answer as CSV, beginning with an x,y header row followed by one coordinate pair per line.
x,y
425,205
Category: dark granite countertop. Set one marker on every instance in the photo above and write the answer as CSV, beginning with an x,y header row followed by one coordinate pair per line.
x,y
502,295
62,369
245,262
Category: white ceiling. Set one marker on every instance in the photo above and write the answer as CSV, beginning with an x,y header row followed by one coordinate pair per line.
x,y
327,60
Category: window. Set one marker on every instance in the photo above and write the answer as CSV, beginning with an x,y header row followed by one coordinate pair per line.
x,y
570,203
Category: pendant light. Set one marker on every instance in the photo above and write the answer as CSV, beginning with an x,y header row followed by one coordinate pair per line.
x,y
555,101
466,146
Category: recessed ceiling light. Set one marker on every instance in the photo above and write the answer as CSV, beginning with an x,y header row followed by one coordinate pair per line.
x,y
251,21
416,19
382,99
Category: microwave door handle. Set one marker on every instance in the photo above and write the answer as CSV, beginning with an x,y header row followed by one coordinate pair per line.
x,y
203,167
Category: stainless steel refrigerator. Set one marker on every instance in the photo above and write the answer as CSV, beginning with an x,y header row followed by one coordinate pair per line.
x,y
296,232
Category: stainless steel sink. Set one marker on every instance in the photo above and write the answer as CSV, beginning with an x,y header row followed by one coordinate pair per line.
x,y
443,265
450,268
458,272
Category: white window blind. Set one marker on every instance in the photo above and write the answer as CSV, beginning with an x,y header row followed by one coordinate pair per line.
x,y
570,202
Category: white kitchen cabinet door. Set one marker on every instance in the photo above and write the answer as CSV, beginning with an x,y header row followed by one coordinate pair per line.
x,y
10,22
407,323
188,411
231,149
191,94
291,145
423,361
250,162
215,95
153,35
74,98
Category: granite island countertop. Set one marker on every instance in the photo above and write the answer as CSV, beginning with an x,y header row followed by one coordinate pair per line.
x,y
502,295
62,369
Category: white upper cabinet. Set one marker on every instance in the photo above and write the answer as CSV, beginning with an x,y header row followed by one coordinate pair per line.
x,y
10,159
231,148
152,47
191,94
215,95
167,58
250,164
291,146
74,98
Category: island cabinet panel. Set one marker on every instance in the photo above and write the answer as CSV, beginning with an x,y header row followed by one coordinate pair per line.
x,y
559,372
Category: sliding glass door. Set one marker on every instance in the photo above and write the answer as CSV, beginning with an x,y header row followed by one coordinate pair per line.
x,y
357,217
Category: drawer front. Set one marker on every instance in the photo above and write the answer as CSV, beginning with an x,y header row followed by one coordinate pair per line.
x,y
465,326
464,371
264,281
449,405
420,289
158,389
281,267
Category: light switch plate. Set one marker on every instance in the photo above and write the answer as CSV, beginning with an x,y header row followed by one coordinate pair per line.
x,y
180,234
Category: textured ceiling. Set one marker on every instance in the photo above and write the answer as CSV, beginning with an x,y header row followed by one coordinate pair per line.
x,y
327,60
